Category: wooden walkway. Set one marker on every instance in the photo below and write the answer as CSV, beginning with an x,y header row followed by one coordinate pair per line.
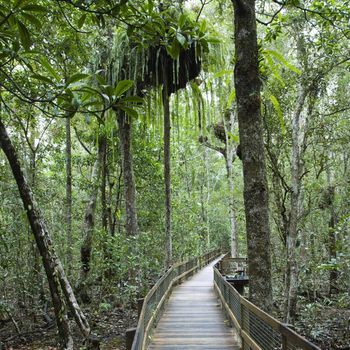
x,y
193,318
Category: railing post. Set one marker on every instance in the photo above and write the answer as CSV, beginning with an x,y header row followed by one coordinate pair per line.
x,y
284,342
241,306
139,306
130,335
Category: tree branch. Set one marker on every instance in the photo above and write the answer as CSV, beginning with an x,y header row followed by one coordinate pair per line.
x,y
221,150
80,141
272,17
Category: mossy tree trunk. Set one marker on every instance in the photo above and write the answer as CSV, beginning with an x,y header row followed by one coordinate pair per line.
x,y
230,156
332,240
292,231
247,84
167,166
299,137
131,225
89,224
69,195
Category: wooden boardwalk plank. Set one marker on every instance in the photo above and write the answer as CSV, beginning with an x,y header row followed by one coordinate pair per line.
x,y
193,319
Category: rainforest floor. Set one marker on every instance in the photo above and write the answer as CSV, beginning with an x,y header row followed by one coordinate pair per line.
x,y
108,325
326,325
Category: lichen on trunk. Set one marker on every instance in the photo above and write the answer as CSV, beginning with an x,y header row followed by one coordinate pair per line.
x,y
247,84
125,136
89,224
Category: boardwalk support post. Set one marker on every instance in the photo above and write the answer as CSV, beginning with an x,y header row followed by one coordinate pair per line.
x,y
284,342
139,306
130,334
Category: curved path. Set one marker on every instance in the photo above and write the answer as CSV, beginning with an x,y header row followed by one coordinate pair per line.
x,y
193,318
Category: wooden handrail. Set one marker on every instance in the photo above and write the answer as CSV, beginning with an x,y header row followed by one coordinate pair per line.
x,y
158,294
257,329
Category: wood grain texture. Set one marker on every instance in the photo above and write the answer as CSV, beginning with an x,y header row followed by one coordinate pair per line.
x,y
193,318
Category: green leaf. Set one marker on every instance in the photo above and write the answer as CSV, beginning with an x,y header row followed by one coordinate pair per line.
x,y
182,20
109,90
77,77
32,19
92,103
150,6
123,86
231,98
18,3
46,64
278,109
203,26
101,80
196,90
132,99
68,94
75,102
4,8
274,70
233,137
280,58
82,20
42,78
222,73
91,90
213,40
181,39
129,111
101,20
173,50
34,8
24,35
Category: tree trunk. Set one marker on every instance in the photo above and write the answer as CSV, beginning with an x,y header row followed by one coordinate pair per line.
x,y
104,208
112,217
297,166
233,221
167,174
38,287
207,167
292,232
69,196
89,224
332,240
42,239
205,195
131,225
230,156
247,86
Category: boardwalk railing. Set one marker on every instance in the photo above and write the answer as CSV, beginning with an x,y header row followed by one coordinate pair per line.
x,y
154,300
258,330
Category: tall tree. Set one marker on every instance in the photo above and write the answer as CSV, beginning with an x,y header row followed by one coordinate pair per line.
x,y
223,132
69,194
58,283
247,84
125,137
89,222
332,239
167,166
